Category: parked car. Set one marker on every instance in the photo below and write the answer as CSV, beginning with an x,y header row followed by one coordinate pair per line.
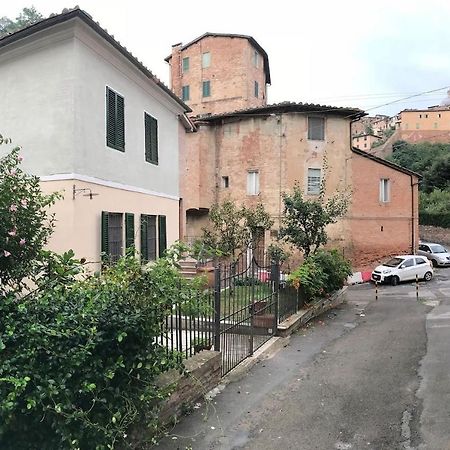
x,y
403,268
436,253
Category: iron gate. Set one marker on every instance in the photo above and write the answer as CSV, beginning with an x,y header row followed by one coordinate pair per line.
x,y
246,308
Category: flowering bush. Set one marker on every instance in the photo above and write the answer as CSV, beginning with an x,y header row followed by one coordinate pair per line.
x,y
26,223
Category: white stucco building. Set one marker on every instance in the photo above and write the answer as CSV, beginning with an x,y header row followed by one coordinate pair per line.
x,y
93,120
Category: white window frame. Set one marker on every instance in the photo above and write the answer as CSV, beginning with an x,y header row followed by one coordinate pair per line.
x,y
313,181
253,182
206,60
385,190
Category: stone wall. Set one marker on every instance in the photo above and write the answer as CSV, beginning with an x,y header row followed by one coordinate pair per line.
x,y
203,373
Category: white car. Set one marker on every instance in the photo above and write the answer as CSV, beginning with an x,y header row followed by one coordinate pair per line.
x,y
436,253
403,268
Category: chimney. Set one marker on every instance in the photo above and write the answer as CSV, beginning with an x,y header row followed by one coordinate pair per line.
x,y
175,69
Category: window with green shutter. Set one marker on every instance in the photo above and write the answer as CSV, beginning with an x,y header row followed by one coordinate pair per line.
x,y
129,230
115,120
162,235
151,139
185,64
148,238
185,94
112,236
206,89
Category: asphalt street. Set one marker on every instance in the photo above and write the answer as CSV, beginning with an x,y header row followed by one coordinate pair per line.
x,y
371,374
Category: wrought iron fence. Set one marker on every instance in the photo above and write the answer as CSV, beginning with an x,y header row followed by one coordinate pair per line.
x,y
236,316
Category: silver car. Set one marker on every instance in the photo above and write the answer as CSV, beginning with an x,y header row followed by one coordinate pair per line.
x,y
436,253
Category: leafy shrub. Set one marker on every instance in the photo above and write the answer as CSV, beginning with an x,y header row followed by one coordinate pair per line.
x,y
321,274
25,224
247,281
335,268
80,357
310,278
435,219
277,253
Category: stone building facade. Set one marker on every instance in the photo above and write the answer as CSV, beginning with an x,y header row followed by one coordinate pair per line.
x,y
218,73
256,153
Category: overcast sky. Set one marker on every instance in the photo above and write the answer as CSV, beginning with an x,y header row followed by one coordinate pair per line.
x,y
343,53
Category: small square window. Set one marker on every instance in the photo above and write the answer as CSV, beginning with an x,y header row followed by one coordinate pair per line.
x,y
206,89
225,182
314,180
385,190
206,60
185,94
252,182
316,128
185,64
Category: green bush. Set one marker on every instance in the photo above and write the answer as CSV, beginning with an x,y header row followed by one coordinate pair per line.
x,y
335,267
25,224
321,274
435,219
79,358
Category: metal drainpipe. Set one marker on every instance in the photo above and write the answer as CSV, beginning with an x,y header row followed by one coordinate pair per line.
x,y
413,233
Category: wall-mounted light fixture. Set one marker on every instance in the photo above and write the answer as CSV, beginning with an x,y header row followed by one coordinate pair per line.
x,y
88,192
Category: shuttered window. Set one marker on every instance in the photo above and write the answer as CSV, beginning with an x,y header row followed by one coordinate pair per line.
x,y
112,236
186,64
151,139
314,180
115,120
256,89
185,94
252,182
162,235
316,128
129,230
206,89
148,238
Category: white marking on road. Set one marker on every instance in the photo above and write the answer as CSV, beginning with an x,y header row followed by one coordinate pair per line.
x,y
342,445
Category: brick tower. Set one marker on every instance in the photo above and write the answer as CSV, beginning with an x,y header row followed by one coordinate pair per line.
x,y
217,73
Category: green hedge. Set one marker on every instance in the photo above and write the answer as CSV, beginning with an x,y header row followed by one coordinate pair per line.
x,y
79,358
435,219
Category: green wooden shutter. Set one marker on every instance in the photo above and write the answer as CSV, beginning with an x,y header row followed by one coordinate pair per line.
x,y
129,230
162,235
206,89
151,139
110,118
105,233
120,122
144,240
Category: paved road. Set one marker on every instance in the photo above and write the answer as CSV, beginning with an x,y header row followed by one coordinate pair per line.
x,y
371,375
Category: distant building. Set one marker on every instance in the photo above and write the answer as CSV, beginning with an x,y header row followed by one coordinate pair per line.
x,y
219,72
426,125
365,141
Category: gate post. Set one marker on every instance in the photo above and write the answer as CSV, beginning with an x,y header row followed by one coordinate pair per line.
x,y
275,277
217,309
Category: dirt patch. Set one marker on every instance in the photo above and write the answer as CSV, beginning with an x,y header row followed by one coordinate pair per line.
x,y
435,234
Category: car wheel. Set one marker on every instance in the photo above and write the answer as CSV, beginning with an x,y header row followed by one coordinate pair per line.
x,y
428,276
395,280
434,262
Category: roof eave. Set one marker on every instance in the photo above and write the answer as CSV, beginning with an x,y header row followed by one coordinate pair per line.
x,y
86,18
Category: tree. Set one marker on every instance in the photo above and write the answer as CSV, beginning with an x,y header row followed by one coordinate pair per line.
x,y
27,17
26,224
233,229
305,220
438,176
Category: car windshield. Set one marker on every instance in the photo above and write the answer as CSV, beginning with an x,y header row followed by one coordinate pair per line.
x,y
394,262
438,249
